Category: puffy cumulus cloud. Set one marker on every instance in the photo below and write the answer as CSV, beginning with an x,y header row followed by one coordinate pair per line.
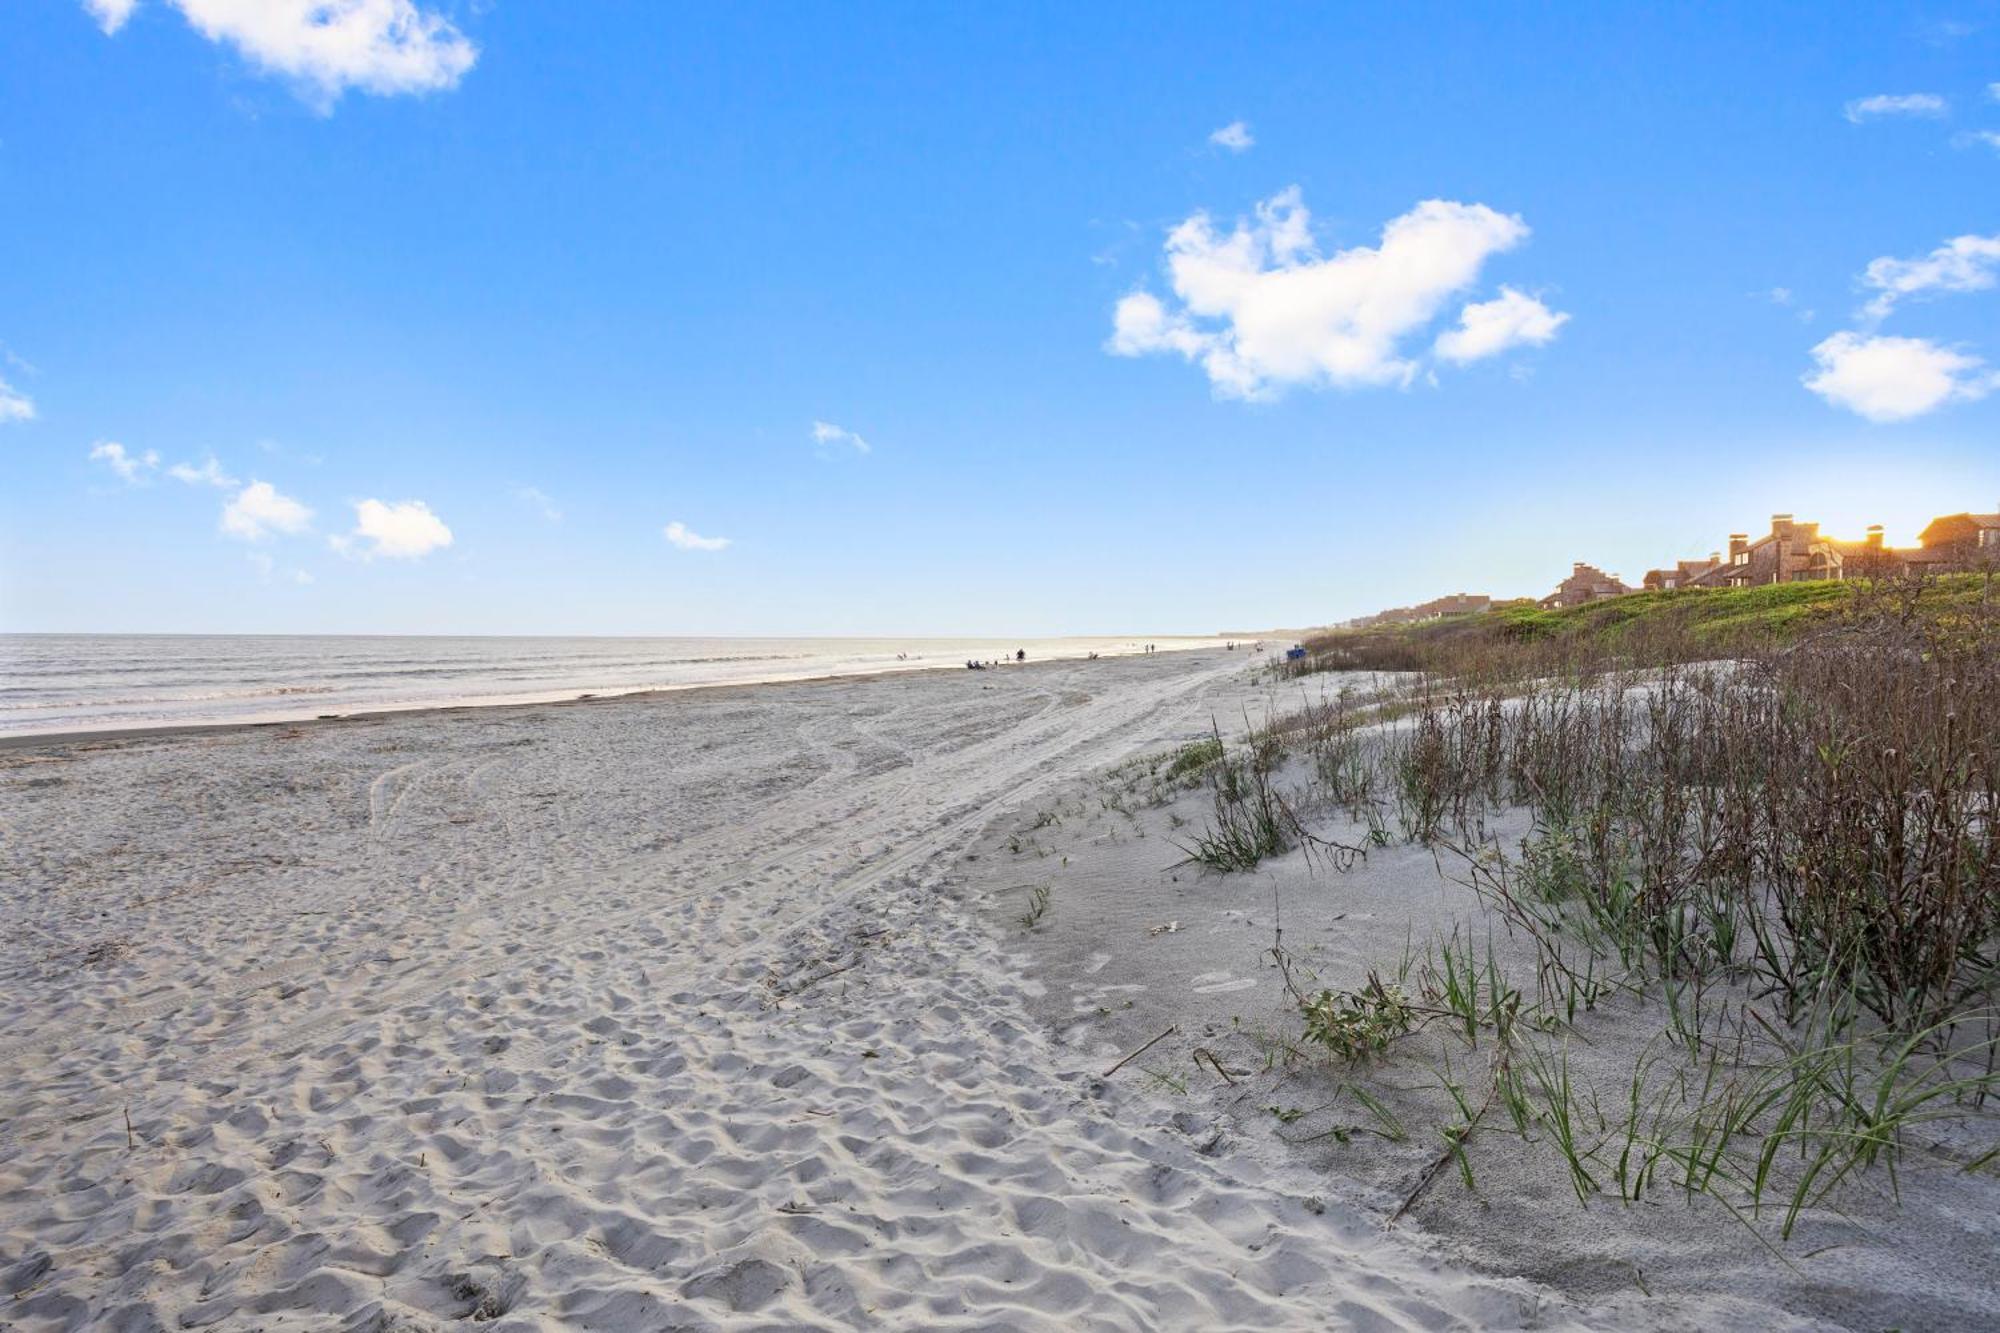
x,y
1928,105
260,510
679,535
1991,138
132,469
15,405
830,437
1962,264
403,530
1235,136
1488,328
327,46
1893,379
1261,309
210,473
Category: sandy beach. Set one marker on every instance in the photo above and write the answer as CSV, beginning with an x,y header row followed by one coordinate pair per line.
x,y
657,1013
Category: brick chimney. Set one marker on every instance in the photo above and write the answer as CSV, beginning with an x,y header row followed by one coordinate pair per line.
x,y
1874,538
1739,542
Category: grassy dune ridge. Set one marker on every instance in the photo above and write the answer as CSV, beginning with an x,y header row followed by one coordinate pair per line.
x,y
1660,628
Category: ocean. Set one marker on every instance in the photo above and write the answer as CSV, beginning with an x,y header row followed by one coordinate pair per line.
x,y
103,682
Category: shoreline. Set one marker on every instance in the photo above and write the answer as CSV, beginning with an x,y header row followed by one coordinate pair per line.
x,y
19,740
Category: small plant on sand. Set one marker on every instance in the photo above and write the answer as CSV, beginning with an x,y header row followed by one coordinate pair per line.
x,y
1193,759
1251,819
1356,1024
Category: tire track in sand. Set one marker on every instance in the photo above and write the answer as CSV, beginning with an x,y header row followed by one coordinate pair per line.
x,y
1034,765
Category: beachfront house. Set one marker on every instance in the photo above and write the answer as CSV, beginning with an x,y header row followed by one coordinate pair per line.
x,y
1958,542
1793,552
1682,575
1586,583
1457,604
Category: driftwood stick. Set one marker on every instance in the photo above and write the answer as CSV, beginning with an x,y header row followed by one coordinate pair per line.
x,y
832,972
1142,1050
1452,1149
1202,1052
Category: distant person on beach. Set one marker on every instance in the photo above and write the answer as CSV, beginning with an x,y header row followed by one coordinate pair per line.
x,y
1020,654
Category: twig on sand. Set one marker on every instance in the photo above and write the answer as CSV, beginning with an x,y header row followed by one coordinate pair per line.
x,y
1142,1050
1202,1051
1453,1146
803,987
130,1142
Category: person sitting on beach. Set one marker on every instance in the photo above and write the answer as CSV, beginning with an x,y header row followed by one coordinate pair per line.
x,y
1020,654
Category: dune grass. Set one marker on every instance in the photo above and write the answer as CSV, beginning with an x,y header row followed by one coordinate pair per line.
x,y
1766,817
1654,628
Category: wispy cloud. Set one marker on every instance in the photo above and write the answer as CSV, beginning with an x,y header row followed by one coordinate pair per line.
x,y
15,405
402,530
1235,136
548,507
1988,138
1261,309
678,534
326,47
830,437
1894,379
1881,105
133,469
267,570
210,473
260,510
1962,264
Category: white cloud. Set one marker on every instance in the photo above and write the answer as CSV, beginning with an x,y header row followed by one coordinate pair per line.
x,y
327,46
1235,136
549,508
403,530
15,405
1894,379
677,533
826,434
1991,138
1261,309
210,473
131,468
110,14
1487,328
1993,91
1962,264
1896,104
259,510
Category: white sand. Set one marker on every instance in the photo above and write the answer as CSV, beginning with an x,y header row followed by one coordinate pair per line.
x,y
628,1015
1111,977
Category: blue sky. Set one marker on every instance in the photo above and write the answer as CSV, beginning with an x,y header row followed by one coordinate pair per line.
x,y
470,302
